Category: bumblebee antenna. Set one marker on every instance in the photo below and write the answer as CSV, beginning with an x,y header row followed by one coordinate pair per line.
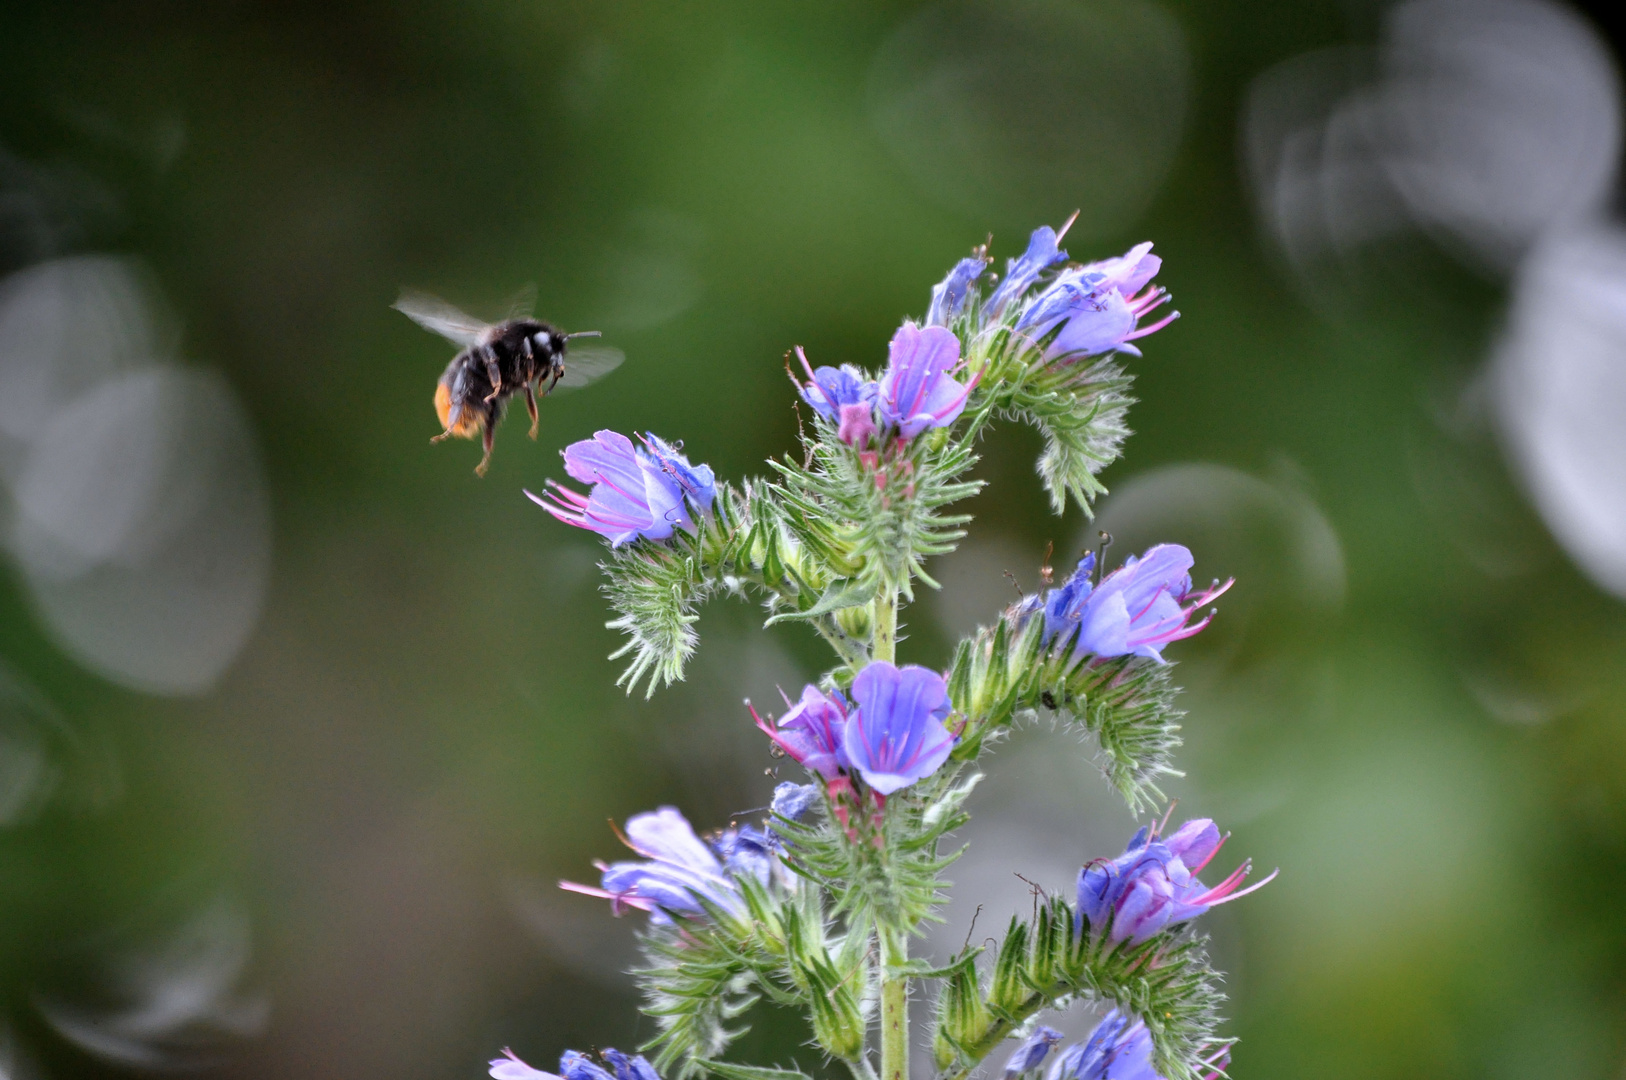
x,y
585,333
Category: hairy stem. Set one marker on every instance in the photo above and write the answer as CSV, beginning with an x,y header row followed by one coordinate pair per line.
x,y
895,1010
886,627
850,649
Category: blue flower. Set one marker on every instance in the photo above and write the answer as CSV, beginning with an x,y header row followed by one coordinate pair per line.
x,y
629,1068
896,735
948,296
828,389
510,1067
842,396
917,392
1120,1049
637,491
1099,307
1137,609
793,800
1031,1054
681,870
813,732
1153,885
575,1065
1020,274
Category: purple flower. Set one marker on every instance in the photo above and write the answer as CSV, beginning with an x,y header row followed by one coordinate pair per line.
x,y
1153,885
917,392
842,396
1099,307
1137,609
791,801
948,296
896,735
1031,1054
629,1068
680,870
510,1067
637,491
1119,1049
1020,274
575,1065
828,388
812,732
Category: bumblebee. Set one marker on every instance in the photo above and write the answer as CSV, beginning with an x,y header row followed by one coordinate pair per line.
x,y
497,361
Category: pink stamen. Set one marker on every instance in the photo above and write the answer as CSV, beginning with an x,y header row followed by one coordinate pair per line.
x,y
813,382
1155,327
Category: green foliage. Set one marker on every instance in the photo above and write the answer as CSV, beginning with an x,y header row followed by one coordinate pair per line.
x,y
878,515
1052,960
1126,703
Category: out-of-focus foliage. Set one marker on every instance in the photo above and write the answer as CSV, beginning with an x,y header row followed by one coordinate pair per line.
x,y
1412,701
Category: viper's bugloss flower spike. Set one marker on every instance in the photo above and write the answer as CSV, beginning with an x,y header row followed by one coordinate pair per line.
x,y
812,733
510,1067
791,801
1031,1054
575,1065
629,1068
1137,609
948,295
1098,307
1153,885
680,869
896,734
637,491
917,392
1020,274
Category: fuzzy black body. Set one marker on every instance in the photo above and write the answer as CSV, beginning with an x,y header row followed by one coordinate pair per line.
x,y
498,360
520,355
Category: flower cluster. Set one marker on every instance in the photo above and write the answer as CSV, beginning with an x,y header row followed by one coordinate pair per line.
x,y
1136,610
916,392
818,909
1080,311
1153,885
680,873
638,491
891,734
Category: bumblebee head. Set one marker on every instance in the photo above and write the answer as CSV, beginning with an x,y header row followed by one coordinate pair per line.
x,y
548,343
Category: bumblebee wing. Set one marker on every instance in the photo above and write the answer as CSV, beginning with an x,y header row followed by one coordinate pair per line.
x,y
433,313
522,303
585,363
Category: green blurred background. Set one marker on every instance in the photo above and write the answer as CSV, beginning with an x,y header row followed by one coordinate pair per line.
x,y
335,858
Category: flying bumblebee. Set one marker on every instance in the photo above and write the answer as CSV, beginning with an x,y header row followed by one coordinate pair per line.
x,y
499,360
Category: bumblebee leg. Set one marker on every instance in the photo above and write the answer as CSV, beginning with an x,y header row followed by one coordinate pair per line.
x,y
486,441
442,436
530,405
493,372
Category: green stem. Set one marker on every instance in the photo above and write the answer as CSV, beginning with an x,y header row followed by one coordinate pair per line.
x,y
850,649
999,1030
894,1010
886,627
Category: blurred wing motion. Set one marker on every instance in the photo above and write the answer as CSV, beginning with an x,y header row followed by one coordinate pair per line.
x,y
584,363
433,313
523,303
